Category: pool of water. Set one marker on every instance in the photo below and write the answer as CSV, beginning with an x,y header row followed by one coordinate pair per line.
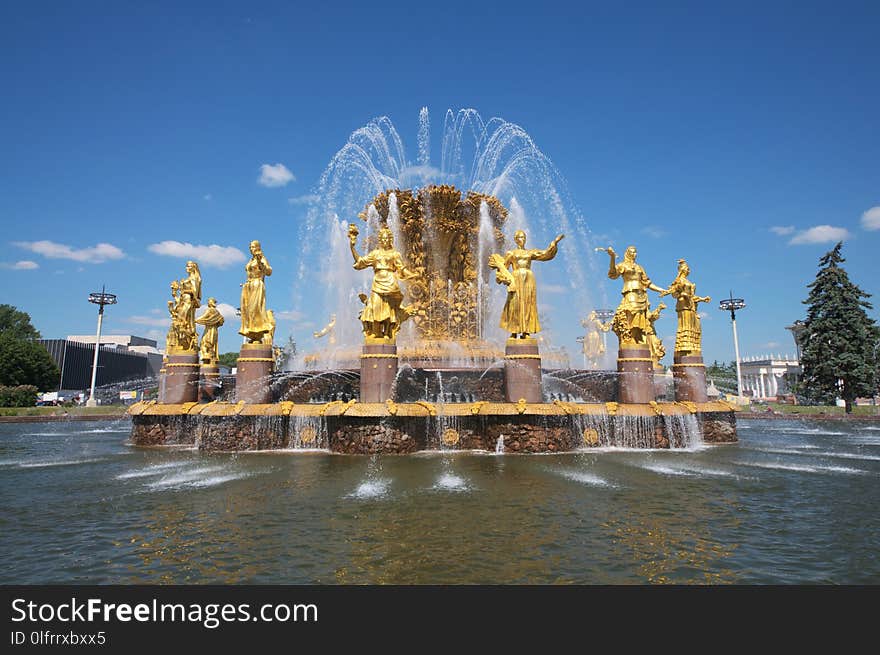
x,y
793,502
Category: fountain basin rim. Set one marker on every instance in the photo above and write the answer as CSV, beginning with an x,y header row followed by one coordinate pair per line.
x,y
427,409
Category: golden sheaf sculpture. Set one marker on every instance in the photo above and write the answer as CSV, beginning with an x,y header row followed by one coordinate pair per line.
x,y
655,344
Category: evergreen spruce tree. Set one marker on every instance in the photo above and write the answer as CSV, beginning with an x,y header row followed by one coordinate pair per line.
x,y
840,342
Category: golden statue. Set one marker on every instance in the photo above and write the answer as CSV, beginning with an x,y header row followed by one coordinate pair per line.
x,y
269,337
171,337
655,343
594,344
186,298
631,317
383,314
458,258
520,314
212,319
329,329
255,322
688,336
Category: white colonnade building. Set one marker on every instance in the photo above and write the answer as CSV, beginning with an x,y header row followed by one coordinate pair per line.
x,y
765,377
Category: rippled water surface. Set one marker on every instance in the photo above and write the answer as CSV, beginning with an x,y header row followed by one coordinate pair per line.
x,y
793,502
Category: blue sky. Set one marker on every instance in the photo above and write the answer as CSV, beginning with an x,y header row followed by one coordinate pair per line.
x,y
690,130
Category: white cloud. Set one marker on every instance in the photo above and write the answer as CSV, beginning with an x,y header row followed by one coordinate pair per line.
x,y
653,231
228,311
770,344
148,320
820,234
782,230
288,315
422,173
23,265
704,316
158,336
871,219
554,288
304,200
95,255
213,255
277,175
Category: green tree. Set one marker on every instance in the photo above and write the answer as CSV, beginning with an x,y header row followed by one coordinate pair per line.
x,y
840,341
17,323
26,362
228,359
723,375
21,396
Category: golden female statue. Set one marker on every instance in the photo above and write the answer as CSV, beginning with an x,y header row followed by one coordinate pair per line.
x,y
212,319
594,345
520,314
383,314
171,337
688,336
186,298
458,256
255,322
631,317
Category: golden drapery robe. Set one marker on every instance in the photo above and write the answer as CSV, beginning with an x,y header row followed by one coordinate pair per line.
x,y
385,294
688,335
594,345
635,294
184,313
520,313
212,319
254,321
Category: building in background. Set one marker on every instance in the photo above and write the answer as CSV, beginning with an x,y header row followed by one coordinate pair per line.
x,y
123,359
767,377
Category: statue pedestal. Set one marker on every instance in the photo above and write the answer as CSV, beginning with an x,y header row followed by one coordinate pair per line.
x,y
635,369
209,383
522,371
378,372
252,377
662,384
690,378
160,396
180,381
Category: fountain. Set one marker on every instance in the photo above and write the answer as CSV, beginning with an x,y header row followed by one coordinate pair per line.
x,y
450,352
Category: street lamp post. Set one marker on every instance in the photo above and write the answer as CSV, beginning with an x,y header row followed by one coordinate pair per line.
x,y
99,298
797,331
731,305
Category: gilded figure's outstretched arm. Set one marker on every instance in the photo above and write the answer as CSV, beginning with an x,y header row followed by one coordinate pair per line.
x,y
549,253
613,273
352,242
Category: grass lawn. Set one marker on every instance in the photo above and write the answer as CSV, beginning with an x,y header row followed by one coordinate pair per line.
x,y
829,410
